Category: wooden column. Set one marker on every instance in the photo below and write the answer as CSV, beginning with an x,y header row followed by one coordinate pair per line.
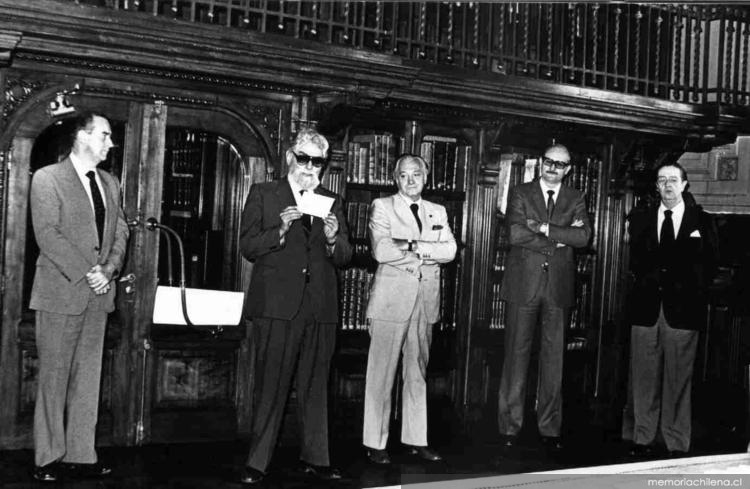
x,y
480,246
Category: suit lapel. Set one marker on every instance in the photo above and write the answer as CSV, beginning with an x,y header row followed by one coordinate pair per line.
x,y
653,226
538,199
79,199
688,224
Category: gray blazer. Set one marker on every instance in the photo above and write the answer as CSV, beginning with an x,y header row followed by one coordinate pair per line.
x,y
65,230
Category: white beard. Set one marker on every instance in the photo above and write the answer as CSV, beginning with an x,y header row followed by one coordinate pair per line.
x,y
306,181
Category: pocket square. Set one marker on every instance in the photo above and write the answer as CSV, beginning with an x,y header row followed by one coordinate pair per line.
x,y
437,227
695,234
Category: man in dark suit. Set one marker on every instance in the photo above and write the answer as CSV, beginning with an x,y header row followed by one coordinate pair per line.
x,y
672,258
546,220
293,304
82,235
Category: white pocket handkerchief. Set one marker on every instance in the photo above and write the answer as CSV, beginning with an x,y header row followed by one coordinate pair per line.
x,y
695,234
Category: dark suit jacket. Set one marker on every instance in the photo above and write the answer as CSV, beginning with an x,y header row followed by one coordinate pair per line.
x,y
65,230
679,282
278,279
529,250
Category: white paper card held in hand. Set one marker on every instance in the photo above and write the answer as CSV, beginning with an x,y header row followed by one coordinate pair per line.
x,y
315,204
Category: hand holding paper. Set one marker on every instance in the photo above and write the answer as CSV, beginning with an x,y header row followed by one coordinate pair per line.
x,y
315,204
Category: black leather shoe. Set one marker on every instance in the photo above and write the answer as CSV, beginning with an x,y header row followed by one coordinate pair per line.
x,y
553,443
250,475
425,453
641,451
378,456
320,472
509,442
83,471
47,473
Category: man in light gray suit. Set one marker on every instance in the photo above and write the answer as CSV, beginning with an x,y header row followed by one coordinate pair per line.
x,y
410,237
82,235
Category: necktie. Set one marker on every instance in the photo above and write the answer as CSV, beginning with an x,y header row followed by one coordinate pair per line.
x,y
99,209
306,219
666,237
415,211
550,204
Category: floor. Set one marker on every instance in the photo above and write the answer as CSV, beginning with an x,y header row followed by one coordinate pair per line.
x,y
214,465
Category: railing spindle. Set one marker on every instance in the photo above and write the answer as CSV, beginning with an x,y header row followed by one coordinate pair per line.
x,y
678,26
549,40
637,54
449,57
475,59
657,65
595,41
745,67
525,45
697,51
616,54
728,56
736,74
571,41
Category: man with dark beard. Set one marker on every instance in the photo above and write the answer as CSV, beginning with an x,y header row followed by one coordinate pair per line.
x,y
291,306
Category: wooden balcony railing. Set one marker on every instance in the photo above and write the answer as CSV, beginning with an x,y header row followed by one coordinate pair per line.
x,y
691,53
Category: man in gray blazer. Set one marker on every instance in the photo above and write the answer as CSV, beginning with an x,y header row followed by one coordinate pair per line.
x,y
410,237
546,220
82,235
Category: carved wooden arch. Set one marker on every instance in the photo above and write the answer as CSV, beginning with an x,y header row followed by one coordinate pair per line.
x,y
30,117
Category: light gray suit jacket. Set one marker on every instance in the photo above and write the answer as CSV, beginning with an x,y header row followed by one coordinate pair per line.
x,y
65,230
400,274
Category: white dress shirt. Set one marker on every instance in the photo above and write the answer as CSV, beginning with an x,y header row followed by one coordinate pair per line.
x,y
677,212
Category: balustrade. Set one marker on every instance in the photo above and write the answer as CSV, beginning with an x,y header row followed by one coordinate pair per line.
x,y
690,53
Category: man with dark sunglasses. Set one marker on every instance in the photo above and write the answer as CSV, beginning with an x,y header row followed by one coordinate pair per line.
x,y
545,220
291,307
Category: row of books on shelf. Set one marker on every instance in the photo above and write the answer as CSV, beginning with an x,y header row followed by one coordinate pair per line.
x,y
448,162
578,315
353,297
449,295
371,159
584,176
356,217
584,261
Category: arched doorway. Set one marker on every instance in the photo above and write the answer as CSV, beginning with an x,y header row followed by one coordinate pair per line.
x,y
159,382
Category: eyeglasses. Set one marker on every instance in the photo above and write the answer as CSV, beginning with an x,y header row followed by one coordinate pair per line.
x,y
663,181
303,159
560,165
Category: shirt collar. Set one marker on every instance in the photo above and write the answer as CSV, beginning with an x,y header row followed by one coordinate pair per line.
x,y
409,202
677,211
545,187
80,167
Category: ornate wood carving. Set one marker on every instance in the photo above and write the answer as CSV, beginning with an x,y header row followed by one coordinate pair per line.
x,y
17,91
156,72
